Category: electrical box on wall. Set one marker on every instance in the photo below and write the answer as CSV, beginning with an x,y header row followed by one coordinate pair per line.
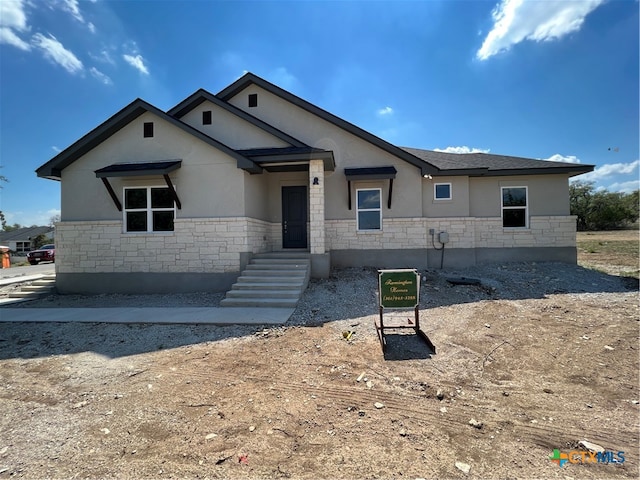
x,y
443,237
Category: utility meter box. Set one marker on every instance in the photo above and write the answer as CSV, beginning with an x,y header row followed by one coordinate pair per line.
x,y
443,237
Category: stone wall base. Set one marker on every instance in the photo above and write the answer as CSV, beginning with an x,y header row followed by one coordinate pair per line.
x,y
453,258
138,283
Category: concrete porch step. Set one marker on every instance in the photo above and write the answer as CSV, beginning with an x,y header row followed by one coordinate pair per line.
x,y
284,255
276,285
259,302
280,261
263,294
27,293
277,265
271,280
276,273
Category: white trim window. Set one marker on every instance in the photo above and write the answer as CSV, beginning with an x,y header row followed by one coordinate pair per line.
x,y
148,209
515,207
442,191
369,209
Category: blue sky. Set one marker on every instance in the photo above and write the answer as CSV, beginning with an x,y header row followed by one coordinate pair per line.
x,y
540,79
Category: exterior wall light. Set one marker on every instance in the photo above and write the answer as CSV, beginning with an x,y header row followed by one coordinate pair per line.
x,y
316,181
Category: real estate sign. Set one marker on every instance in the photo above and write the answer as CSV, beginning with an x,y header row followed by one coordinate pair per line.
x,y
399,288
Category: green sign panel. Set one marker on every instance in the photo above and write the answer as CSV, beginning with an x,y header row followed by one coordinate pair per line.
x,y
398,288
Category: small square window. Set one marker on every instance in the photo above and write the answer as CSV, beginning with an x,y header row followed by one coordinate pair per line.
x,y
253,100
148,129
206,117
442,191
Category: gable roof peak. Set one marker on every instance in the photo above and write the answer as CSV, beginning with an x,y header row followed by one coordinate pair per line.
x,y
250,78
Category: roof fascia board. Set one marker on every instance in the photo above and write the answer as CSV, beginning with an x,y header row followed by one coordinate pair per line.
x,y
249,78
201,95
53,168
572,171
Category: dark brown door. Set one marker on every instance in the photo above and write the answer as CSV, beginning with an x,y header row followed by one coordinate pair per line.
x,y
294,217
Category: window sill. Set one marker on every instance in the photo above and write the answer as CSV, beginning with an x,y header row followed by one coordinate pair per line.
x,y
368,232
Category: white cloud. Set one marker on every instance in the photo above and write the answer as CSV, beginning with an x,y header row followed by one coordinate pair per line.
x,y
39,217
9,37
92,27
609,170
72,7
562,158
55,51
385,111
100,76
56,149
104,56
462,149
539,21
624,187
13,20
136,62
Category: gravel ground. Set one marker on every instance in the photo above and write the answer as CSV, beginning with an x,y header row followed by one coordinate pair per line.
x,y
356,289
536,357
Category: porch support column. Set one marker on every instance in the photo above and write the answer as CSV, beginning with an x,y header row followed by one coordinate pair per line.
x,y
320,263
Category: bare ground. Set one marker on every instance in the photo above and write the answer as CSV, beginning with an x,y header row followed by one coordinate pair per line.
x,y
540,356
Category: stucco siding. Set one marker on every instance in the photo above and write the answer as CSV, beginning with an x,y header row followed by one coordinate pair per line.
x,y
349,151
548,194
458,206
209,184
230,129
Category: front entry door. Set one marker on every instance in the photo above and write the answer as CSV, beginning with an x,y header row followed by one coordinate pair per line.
x,y
294,217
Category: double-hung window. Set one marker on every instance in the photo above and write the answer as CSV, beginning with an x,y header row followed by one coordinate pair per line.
x,y
369,209
148,209
515,207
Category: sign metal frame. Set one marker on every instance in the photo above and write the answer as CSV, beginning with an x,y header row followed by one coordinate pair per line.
x,y
399,289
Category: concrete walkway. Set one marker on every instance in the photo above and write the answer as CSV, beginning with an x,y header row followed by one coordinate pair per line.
x,y
188,315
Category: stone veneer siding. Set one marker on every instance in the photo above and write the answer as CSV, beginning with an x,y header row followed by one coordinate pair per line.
x,y
316,208
215,245
464,232
196,245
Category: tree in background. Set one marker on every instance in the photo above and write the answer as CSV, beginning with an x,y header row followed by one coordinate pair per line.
x,y
38,241
602,210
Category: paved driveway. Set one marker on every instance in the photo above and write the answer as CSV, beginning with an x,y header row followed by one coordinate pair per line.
x,y
40,269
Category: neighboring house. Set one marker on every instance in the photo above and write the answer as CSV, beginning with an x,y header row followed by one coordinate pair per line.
x,y
160,201
20,240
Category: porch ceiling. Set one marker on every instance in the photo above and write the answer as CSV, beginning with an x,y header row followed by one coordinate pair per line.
x,y
289,159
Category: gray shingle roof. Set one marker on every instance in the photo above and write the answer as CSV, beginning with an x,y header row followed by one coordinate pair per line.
x,y
23,234
474,164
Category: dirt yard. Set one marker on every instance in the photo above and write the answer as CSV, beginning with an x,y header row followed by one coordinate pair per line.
x,y
536,358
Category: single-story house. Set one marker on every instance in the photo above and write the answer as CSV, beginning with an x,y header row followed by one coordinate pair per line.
x,y
20,240
181,200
